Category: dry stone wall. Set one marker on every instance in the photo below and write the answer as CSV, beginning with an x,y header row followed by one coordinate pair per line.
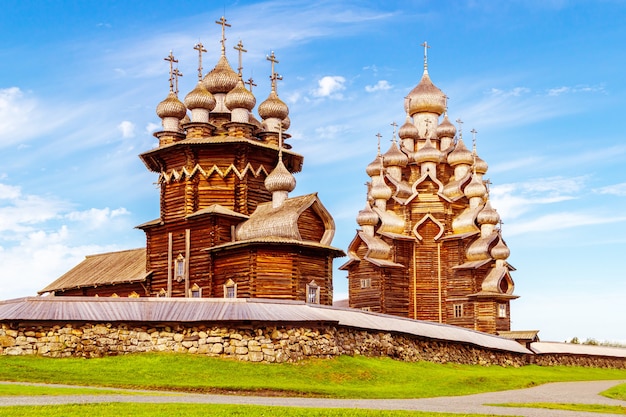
x,y
262,343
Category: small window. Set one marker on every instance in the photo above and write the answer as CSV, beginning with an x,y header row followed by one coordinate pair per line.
x,y
366,282
179,268
366,308
312,293
162,293
502,311
230,289
458,310
195,291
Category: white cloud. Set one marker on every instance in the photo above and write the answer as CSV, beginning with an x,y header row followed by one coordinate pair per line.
x,y
381,85
127,128
96,218
558,221
513,200
16,114
615,189
330,86
152,127
514,92
557,91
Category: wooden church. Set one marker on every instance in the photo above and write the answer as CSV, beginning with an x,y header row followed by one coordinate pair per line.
x,y
227,225
429,245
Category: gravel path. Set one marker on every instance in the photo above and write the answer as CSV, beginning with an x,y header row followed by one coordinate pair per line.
x,y
562,392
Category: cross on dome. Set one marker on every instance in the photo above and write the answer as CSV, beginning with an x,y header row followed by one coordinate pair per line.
x,y
239,48
223,23
275,76
250,83
426,47
200,48
378,135
460,122
171,60
177,74
394,125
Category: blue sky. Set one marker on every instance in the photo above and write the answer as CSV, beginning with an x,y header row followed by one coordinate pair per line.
x,y
541,81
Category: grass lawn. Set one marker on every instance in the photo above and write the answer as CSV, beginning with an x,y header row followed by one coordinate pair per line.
x,y
343,377
618,392
25,390
203,410
589,408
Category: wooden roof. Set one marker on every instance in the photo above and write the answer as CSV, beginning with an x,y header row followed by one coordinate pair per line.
x,y
189,310
531,335
576,349
106,268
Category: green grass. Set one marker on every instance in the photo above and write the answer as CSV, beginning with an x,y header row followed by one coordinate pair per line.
x,y
618,392
343,377
25,390
590,408
203,410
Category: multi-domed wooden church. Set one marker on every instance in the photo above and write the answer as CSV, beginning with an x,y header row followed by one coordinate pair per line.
x,y
227,225
428,248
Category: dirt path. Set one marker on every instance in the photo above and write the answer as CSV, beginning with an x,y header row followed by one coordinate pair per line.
x,y
561,392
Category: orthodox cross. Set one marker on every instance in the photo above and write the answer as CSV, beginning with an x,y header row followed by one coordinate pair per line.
x,y
223,23
407,107
426,47
274,76
428,122
171,60
177,74
239,48
394,125
487,183
445,98
473,132
200,48
378,135
500,223
460,122
251,83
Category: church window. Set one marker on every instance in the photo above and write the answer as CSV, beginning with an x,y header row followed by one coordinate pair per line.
x,y
195,291
366,282
502,310
366,308
312,293
230,289
179,268
458,310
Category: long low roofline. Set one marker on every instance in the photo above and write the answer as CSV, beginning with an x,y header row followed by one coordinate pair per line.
x,y
93,309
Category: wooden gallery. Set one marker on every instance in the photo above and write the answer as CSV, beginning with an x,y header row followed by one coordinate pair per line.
x,y
429,246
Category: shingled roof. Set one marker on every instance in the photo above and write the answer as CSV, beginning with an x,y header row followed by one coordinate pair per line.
x,y
106,268
189,310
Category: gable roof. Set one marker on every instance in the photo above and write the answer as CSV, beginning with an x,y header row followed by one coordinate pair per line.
x,y
106,268
282,222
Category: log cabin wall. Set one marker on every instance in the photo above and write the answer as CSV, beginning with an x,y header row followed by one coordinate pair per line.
x,y
365,283
428,286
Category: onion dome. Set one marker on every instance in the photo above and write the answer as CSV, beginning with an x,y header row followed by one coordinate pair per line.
x,y
374,167
426,97
446,129
395,157
380,190
500,251
222,78
367,216
408,130
488,215
280,179
475,188
200,98
460,155
427,153
273,107
171,107
480,165
240,98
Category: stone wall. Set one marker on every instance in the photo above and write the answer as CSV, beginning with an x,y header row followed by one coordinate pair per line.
x,y
262,343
